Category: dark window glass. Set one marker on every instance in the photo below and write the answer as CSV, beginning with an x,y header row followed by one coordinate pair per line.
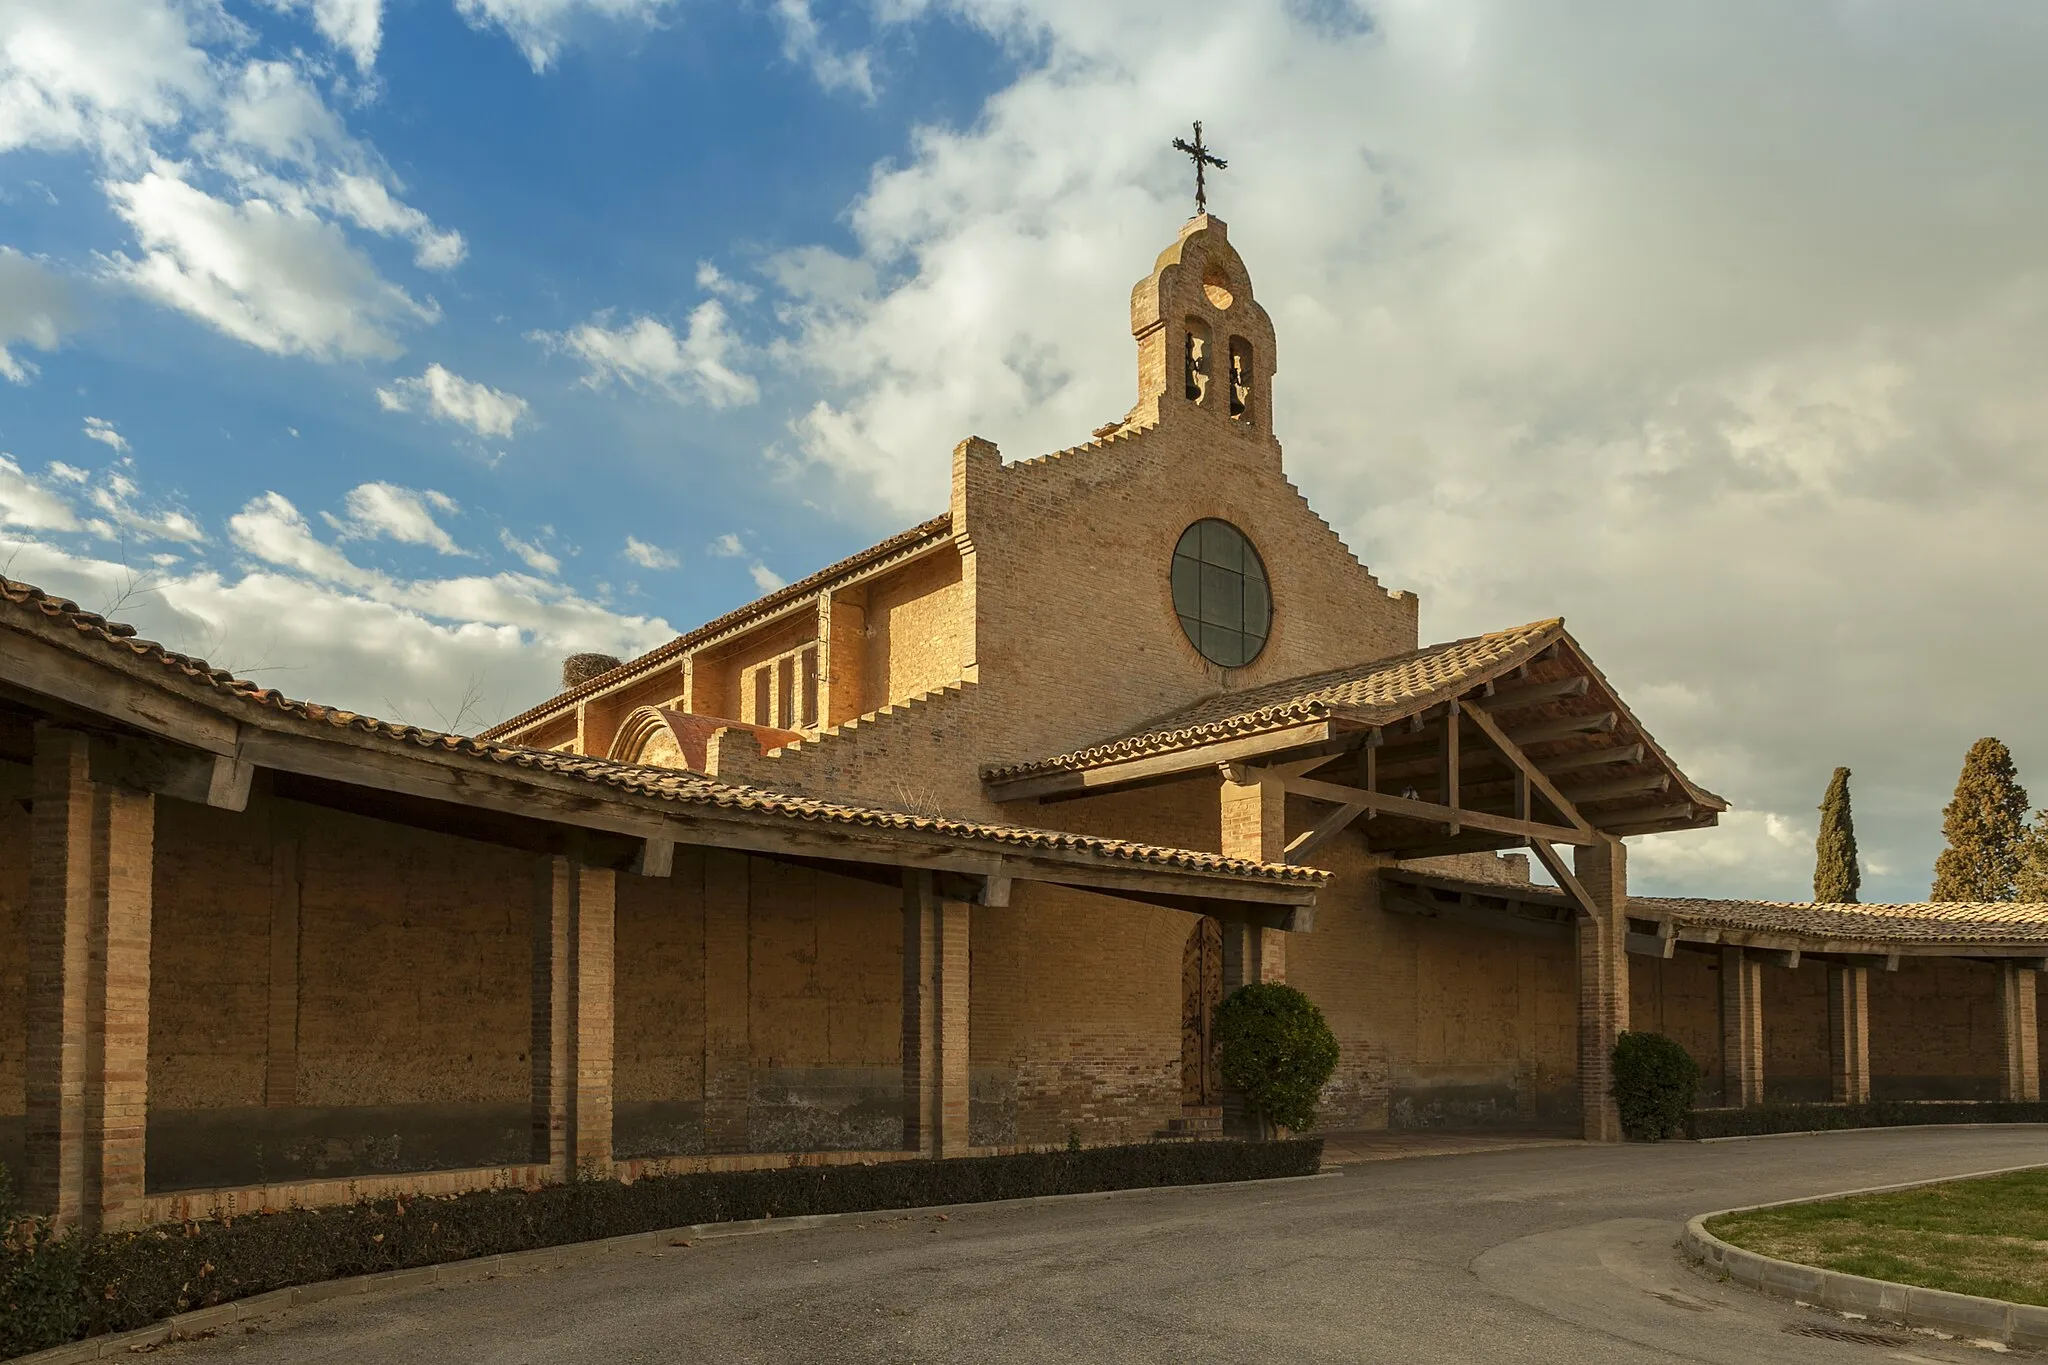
x,y
1220,593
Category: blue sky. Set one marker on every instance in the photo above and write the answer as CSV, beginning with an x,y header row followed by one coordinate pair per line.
x,y
390,349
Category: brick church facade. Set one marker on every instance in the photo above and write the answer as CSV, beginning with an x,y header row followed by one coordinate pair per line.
x,y
949,847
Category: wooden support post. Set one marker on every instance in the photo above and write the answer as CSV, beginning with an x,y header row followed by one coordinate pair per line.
x,y
1600,876
91,879
1849,1033
572,1018
935,1015
2019,1032
1451,728
1742,1028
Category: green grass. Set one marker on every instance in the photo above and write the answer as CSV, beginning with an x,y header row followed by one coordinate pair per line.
x,y
1986,1237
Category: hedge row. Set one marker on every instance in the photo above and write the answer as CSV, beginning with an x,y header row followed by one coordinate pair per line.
x,y
1809,1118
55,1290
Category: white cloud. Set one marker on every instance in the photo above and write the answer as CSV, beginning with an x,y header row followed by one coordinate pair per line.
x,y
405,515
34,307
714,281
354,26
281,281
540,27
765,578
102,75
1736,362
28,503
448,396
648,556
530,552
69,473
804,43
727,546
646,355
101,430
404,649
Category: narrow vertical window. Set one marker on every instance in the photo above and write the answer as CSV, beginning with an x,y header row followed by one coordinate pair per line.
x,y
1197,360
785,695
810,688
760,697
1240,378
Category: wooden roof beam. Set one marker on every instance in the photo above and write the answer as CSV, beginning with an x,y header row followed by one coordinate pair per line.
x,y
1448,816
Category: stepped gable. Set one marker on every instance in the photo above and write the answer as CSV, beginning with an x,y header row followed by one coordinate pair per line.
x,y
33,607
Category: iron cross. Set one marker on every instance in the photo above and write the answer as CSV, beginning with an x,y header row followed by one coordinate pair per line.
x,y
1200,155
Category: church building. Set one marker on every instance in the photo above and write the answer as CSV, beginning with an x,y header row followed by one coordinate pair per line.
x,y
952,846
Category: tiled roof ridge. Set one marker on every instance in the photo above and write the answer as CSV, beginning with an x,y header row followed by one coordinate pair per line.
x,y
669,784
1294,711
941,524
1916,909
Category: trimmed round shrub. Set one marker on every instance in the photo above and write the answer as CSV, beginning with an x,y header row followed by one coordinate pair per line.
x,y
1277,1050
1654,1083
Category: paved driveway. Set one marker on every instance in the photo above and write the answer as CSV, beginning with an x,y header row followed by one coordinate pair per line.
x,y
1552,1254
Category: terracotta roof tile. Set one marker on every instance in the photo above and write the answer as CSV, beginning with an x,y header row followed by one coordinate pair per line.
x,y
1926,922
1372,693
667,784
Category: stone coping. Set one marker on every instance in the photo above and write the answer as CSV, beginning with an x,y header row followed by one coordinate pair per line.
x,y
1966,1315
183,1326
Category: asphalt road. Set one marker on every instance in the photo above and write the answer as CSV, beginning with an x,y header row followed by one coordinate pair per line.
x,y
1554,1254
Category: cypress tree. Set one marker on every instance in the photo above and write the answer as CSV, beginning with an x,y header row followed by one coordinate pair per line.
x,y
1836,878
1986,829
2032,882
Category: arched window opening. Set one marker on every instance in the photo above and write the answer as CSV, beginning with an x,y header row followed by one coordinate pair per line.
x,y
1196,365
1240,378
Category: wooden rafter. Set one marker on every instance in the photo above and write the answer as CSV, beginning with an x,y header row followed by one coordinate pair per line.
x,y
1530,773
1555,865
1431,811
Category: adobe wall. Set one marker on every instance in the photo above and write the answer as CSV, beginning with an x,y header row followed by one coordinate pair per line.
x,y
1074,1018
1440,1025
14,785
412,967
1796,1050
658,1012
1934,1031
1680,997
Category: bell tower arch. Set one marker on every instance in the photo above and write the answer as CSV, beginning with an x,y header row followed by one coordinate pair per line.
x,y
1205,346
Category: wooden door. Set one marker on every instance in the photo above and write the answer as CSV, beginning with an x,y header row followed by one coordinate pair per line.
x,y
1201,991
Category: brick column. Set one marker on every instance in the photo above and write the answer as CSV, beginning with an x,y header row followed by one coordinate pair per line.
x,y
1742,1029
572,1019
1602,869
1254,825
935,994
1849,1033
728,1060
2019,1032
91,873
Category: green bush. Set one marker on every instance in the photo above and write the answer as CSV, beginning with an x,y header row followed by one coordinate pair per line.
x,y
1277,1051
54,1290
1654,1083
1821,1118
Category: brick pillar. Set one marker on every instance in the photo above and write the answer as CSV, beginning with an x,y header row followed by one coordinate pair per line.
x,y
1602,869
92,850
572,1019
1849,1033
1254,825
2019,1032
1742,1029
728,1079
935,993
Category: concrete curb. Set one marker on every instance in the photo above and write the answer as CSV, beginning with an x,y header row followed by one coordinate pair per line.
x,y
1966,1315
1882,1128
488,1267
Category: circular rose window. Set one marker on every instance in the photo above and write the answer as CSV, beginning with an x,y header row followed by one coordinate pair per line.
x,y
1220,593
